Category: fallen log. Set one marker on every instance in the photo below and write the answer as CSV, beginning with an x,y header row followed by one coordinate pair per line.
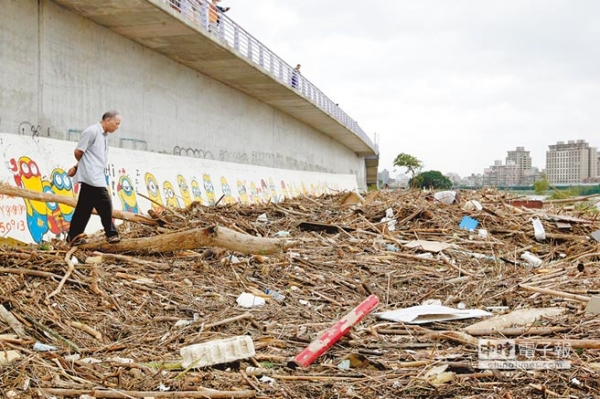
x,y
216,236
61,199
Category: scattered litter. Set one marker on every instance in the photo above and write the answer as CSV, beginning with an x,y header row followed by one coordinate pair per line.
x,y
430,246
531,259
43,347
468,223
593,306
217,352
389,219
247,300
472,205
520,317
538,229
262,218
430,313
282,233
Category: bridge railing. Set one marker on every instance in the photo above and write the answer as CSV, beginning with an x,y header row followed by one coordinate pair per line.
x,y
211,20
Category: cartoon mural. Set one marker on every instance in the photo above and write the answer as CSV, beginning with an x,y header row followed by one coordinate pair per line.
x,y
153,191
127,196
254,197
32,165
274,194
243,196
196,190
210,190
169,191
62,184
27,175
226,191
183,188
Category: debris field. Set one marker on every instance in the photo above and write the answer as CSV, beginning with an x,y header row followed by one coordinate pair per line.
x,y
109,321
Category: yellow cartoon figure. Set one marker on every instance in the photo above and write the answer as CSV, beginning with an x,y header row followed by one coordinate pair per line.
x,y
169,191
274,194
184,189
127,196
27,175
153,192
243,195
210,190
226,191
196,191
264,191
62,185
254,194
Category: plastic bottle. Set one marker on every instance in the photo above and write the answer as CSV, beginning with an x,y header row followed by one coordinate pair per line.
x,y
531,259
217,351
275,295
538,229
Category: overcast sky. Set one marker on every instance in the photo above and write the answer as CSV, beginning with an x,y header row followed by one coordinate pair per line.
x,y
456,83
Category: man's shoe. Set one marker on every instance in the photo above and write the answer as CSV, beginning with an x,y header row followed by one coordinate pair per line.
x,y
113,239
78,240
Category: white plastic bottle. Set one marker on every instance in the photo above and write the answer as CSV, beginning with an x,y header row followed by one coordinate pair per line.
x,y
531,259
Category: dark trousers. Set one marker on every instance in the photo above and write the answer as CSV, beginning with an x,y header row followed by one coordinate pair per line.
x,y
91,197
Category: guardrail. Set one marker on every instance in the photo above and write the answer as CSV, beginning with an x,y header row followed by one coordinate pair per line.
x,y
207,16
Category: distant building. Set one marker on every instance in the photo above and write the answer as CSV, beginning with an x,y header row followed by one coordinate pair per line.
x,y
383,177
571,162
517,172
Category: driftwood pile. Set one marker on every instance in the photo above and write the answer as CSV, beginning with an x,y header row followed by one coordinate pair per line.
x,y
118,315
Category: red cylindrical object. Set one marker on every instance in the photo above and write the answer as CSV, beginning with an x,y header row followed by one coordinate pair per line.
x,y
335,332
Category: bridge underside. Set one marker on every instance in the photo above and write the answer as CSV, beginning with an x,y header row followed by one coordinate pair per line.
x,y
156,25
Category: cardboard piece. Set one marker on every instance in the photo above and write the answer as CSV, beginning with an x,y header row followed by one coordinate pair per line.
x,y
596,235
593,305
430,313
352,198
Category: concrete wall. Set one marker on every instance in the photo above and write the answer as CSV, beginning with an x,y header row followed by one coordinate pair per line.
x,y
60,72
39,164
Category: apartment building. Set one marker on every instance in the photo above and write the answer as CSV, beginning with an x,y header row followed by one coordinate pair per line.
x,y
571,162
517,171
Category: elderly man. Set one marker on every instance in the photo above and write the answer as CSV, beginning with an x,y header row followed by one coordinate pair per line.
x,y
91,154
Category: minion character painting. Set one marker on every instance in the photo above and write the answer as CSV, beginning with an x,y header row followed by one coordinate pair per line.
x,y
56,221
127,195
184,189
27,175
169,191
62,184
227,191
196,191
210,190
153,191
243,195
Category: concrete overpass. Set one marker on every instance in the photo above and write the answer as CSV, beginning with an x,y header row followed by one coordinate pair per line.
x,y
182,31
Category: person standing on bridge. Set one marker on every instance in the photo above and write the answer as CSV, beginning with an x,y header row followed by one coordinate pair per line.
x,y
296,76
92,156
214,10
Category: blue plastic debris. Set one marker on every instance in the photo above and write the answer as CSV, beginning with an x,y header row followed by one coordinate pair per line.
x,y
468,223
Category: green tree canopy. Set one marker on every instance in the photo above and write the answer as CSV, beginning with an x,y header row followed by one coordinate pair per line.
x,y
541,186
431,179
411,163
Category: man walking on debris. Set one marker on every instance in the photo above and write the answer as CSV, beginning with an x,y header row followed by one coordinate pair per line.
x,y
92,156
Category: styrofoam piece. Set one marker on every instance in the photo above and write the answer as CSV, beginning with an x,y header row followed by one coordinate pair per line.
x,y
217,352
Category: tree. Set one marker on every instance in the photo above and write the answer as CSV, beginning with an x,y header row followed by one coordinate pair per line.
x,y
431,179
541,186
411,163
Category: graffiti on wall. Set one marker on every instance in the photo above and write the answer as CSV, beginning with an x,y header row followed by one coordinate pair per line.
x,y
137,185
